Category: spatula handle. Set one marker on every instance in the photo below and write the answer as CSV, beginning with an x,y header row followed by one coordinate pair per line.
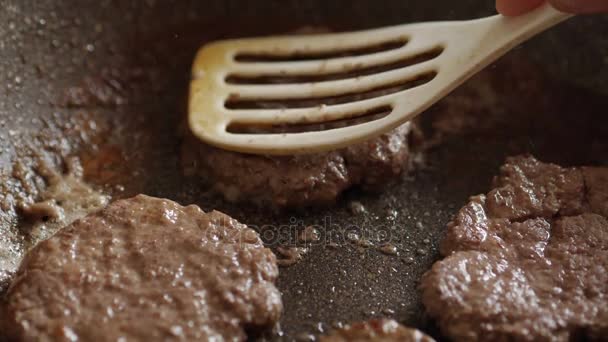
x,y
490,38
515,30
504,33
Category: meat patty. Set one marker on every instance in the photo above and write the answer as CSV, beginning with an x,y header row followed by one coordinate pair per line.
x,y
377,330
528,261
300,180
303,180
145,269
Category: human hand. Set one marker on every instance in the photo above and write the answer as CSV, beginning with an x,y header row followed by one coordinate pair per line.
x,y
517,7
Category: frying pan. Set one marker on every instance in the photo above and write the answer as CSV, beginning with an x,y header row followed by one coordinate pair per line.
x,y
549,98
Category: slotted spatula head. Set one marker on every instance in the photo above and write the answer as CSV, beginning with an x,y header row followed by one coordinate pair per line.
x,y
296,94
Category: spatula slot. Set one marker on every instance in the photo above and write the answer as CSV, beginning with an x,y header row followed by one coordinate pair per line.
x,y
282,103
355,119
362,71
307,53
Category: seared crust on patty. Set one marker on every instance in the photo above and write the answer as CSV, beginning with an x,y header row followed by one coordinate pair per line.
x,y
145,269
528,261
299,180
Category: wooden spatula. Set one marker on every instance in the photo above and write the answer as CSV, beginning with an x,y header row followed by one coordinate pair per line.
x,y
268,84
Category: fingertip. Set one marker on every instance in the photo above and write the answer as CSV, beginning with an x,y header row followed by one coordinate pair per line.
x,y
504,8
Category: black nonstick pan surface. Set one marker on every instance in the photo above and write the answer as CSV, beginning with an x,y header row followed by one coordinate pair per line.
x,y
547,98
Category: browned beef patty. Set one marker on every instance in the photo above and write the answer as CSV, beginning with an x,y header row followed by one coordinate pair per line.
x,y
377,330
302,180
528,261
299,180
145,269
